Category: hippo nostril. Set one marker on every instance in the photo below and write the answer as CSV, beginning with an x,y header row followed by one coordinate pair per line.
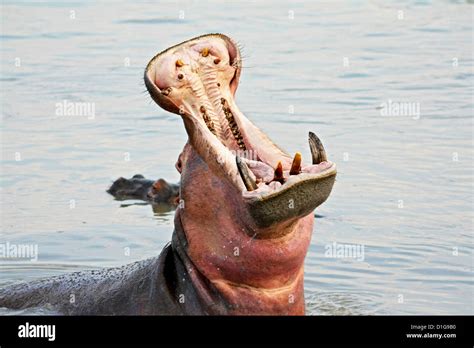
x,y
217,61
180,76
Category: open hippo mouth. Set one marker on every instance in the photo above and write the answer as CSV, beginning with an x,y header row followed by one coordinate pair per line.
x,y
244,221
197,79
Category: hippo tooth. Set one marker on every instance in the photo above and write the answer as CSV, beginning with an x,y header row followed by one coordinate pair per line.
x,y
296,165
249,183
279,173
317,149
205,52
233,127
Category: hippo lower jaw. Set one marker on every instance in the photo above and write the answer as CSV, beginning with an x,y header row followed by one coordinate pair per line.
x,y
197,79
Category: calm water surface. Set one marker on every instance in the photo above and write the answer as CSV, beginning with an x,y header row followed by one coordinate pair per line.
x,y
404,191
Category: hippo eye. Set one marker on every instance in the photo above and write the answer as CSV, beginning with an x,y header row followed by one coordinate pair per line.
x,y
180,76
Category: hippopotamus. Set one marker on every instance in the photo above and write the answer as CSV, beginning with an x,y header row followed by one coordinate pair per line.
x,y
138,187
245,218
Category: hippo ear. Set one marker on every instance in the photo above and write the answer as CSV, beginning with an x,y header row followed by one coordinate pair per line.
x,y
138,176
160,185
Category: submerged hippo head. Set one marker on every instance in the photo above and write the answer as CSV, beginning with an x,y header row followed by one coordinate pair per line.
x,y
135,188
138,187
247,205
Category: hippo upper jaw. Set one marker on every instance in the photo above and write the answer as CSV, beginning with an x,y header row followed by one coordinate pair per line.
x,y
197,79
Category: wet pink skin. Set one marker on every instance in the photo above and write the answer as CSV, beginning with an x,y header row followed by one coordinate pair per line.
x,y
256,270
256,276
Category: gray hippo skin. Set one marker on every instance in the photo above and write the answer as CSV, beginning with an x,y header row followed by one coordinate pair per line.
x,y
138,187
245,218
164,285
